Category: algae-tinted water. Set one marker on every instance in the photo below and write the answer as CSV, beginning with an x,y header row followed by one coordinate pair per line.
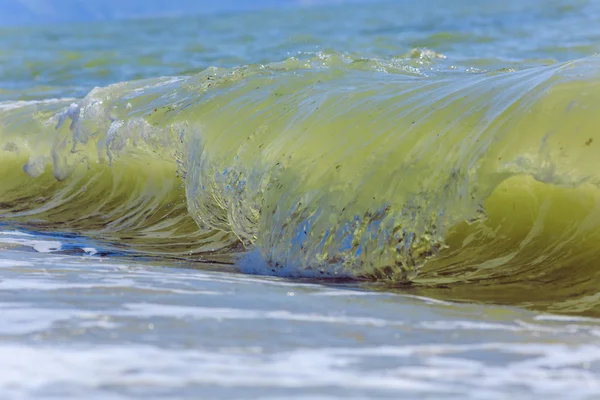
x,y
439,150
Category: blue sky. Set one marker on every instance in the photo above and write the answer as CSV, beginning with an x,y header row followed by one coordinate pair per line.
x,y
18,12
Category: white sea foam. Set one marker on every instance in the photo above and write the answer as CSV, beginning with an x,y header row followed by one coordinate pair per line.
x,y
78,326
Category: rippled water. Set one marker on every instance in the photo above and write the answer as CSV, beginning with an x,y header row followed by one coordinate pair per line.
x,y
94,327
420,182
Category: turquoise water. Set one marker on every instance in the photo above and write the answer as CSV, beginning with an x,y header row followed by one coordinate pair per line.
x,y
380,199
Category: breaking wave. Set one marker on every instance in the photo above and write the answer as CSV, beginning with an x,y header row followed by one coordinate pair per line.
x,y
475,185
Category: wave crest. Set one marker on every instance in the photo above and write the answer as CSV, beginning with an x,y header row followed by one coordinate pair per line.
x,y
324,167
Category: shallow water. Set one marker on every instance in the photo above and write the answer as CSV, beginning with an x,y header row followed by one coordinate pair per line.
x,y
420,182
101,327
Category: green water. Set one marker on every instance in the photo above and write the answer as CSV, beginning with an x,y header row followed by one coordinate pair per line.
x,y
449,149
370,200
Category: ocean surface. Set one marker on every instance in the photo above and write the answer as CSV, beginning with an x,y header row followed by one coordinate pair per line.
x,y
357,200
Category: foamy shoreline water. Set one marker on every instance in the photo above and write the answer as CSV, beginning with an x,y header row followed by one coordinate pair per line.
x,y
88,326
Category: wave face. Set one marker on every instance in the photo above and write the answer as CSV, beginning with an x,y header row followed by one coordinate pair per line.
x,y
331,167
